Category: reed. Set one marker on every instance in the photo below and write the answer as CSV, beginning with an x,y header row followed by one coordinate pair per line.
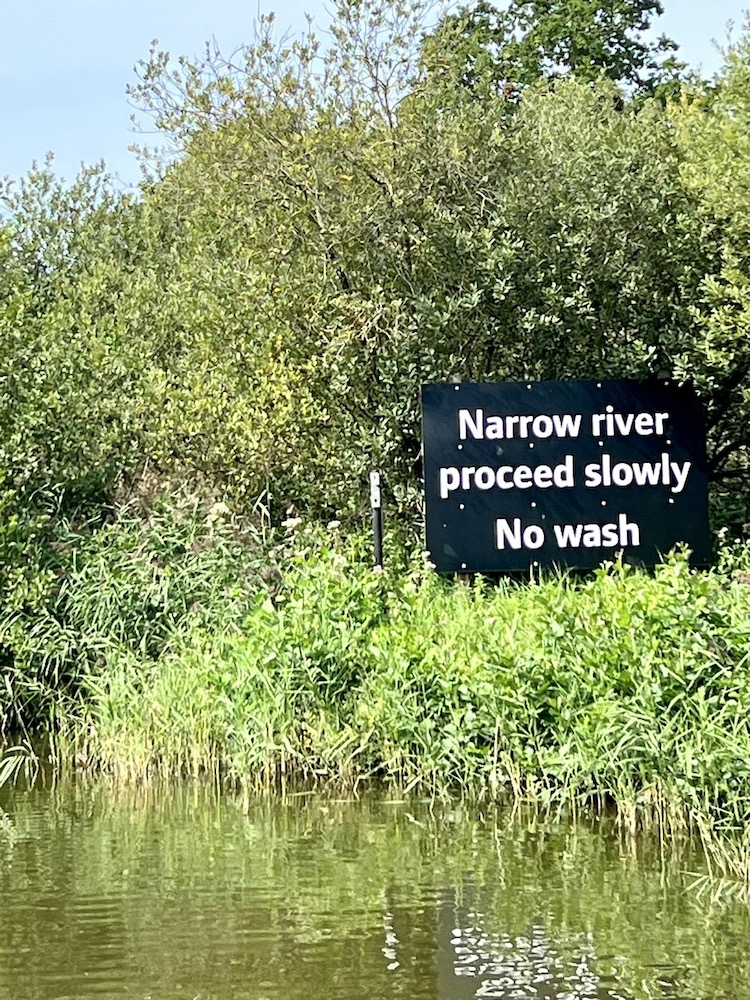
x,y
621,689
181,642
75,595
19,761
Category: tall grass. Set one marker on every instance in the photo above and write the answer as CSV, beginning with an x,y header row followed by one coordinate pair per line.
x,y
75,595
622,688
18,760
181,642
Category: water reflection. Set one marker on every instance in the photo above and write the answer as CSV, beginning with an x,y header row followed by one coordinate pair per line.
x,y
185,893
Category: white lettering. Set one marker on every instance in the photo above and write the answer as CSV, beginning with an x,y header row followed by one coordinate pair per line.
x,y
467,425
523,423
593,475
449,481
568,535
624,423
505,533
680,475
543,426
660,473
622,474
611,423
466,474
502,477
474,424
644,424
493,428
593,536
646,473
485,478
563,475
630,533
531,537
567,424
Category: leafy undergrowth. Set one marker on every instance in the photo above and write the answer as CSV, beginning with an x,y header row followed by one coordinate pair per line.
x,y
181,641
75,596
622,688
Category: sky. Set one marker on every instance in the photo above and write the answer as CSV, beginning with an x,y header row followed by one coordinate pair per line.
x,y
66,65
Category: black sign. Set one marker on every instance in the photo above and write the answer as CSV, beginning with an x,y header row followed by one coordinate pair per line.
x,y
562,474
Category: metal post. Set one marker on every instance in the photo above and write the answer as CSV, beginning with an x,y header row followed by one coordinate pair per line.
x,y
377,518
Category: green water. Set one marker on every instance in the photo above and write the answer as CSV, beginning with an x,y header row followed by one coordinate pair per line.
x,y
186,893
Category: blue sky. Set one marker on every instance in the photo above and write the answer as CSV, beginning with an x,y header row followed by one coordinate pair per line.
x,y
66,64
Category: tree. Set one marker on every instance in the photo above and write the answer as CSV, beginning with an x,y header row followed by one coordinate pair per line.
x,y
339,229
713,132
341,255
534,40
68,369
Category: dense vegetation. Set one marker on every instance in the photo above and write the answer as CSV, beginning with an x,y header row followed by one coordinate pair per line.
x,y
335,229
528,194
300,664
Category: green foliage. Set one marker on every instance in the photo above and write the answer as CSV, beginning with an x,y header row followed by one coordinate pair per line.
x,y
15,761
342,225
70,366
533,40
337,227
332,267
714,136
74,596
620,687
29,581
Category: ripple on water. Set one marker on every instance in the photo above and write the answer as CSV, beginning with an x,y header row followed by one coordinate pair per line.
x,y
181,893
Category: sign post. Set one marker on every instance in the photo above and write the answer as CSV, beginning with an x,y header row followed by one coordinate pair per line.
x,y
377,518
521,475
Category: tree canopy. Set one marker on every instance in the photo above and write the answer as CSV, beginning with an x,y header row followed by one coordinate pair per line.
x,y
532,40
336,227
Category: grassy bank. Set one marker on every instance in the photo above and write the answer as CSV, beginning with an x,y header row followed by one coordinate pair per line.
x,y
184,643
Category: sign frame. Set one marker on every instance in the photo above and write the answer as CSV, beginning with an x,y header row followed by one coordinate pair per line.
x,y
507,466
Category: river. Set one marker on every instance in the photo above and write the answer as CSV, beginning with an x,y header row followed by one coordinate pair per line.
x,y
188,893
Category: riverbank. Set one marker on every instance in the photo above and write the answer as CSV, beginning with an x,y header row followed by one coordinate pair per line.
x,y
177,647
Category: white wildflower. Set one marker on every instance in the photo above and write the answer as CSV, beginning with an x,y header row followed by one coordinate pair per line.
x,y
217,511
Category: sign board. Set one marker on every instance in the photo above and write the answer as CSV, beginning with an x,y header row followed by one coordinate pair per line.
x,y
562,474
